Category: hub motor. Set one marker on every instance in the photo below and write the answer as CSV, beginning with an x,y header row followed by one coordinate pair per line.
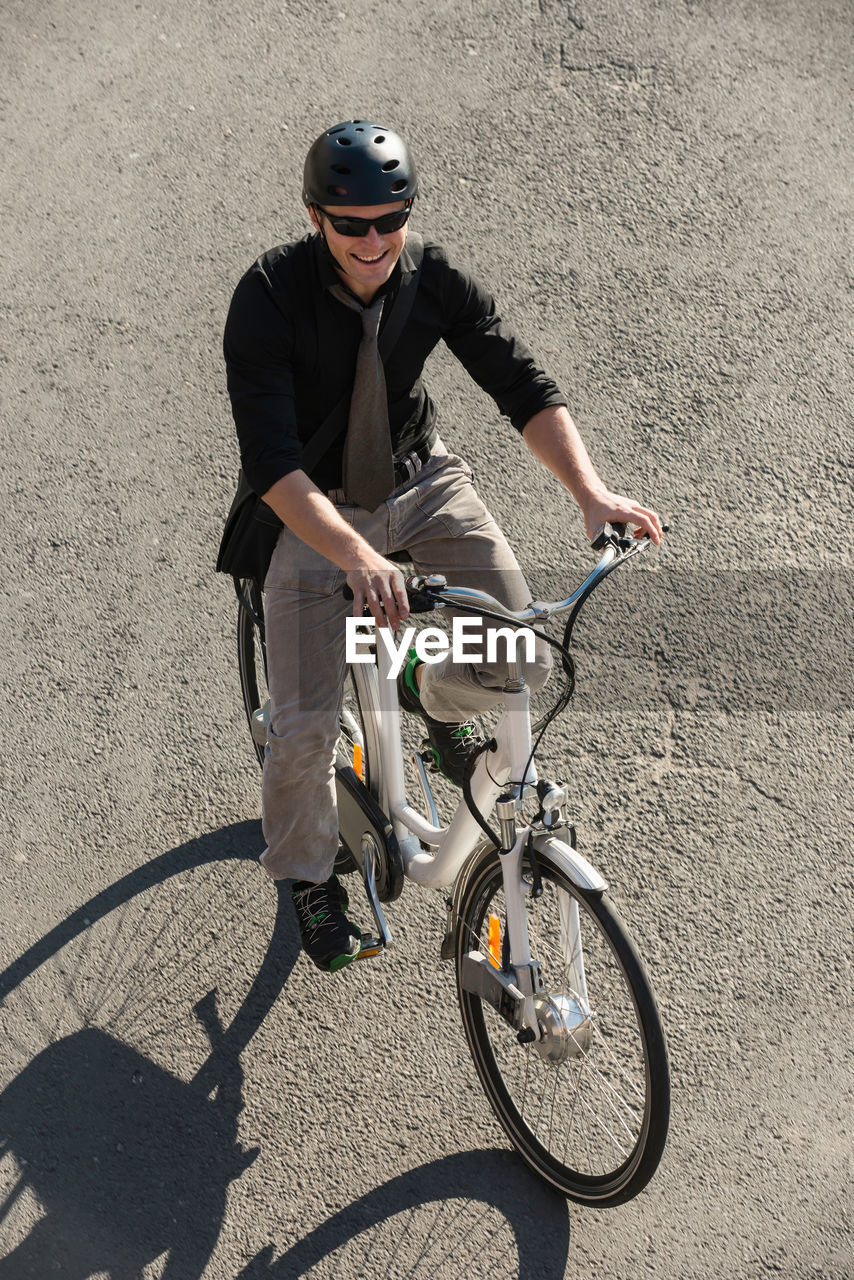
x,y
567,1029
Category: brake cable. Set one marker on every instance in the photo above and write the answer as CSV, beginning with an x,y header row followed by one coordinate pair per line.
x,y
629,547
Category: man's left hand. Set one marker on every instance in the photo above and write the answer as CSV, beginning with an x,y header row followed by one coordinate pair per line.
x,y
611,508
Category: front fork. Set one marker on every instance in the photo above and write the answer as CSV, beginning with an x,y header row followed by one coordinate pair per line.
x,y
520,994
525,971
513,991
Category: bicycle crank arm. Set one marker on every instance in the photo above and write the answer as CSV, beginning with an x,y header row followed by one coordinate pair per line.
x,y
370,854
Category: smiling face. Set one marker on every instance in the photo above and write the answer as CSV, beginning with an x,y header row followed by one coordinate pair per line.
x,y
364,262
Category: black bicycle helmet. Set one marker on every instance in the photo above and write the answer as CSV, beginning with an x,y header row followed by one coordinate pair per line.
x,y
358,163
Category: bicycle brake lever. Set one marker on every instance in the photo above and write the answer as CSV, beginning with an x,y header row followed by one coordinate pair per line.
x,y
423,589
601,538
620,538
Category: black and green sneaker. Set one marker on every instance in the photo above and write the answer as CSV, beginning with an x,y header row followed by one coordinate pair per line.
x,y
328,937
452,744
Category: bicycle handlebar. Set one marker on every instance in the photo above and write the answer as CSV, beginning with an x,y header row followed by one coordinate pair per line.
x,y
427,593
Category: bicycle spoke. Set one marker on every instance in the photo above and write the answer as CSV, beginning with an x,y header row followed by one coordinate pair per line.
x,y
598,1122
556,1074
606,1086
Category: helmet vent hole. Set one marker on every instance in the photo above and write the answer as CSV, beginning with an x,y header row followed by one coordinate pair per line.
x,y
340,168
337,191
379,138
399,186
344,142
390,165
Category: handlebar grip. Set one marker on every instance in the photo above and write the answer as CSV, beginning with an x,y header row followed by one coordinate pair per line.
x,y
421,592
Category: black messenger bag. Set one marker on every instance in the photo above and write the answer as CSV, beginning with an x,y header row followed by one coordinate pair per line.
x,y
252,528
251,532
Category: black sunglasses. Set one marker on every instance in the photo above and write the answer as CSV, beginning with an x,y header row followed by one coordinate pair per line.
x,y
361,226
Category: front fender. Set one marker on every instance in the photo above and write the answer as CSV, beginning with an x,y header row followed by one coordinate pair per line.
x,y
581,872
561,855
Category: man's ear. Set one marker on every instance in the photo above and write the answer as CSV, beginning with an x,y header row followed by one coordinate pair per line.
x,y
315,221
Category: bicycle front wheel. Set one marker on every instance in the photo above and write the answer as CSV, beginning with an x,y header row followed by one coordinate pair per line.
x,y
586,1106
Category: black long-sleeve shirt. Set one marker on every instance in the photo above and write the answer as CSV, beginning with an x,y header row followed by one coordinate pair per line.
x,y
290,349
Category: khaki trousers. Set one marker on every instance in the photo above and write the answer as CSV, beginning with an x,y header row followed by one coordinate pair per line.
x,y
440,520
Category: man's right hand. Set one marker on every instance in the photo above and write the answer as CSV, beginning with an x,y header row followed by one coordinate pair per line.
x,y
380,585
374,581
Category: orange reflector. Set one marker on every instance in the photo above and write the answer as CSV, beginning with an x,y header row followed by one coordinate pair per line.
x,y
495,942
358,763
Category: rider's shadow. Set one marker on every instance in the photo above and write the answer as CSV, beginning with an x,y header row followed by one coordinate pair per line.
x,y
127,1161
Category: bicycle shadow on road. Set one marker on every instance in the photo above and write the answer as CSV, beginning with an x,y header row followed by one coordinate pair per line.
x,y
450,1214
236,841
127,1161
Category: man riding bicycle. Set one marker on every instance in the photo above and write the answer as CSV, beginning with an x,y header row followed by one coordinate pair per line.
x,y
305,333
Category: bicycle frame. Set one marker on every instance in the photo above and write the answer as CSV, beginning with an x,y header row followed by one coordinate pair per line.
x,y
495,774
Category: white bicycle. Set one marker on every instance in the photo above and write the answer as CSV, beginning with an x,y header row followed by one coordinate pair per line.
x,y
558,1012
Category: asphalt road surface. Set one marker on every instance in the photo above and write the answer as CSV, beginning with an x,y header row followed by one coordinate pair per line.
x,y
659,195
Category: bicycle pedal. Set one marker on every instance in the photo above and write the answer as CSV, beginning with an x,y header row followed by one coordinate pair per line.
x,y
427,752
371,946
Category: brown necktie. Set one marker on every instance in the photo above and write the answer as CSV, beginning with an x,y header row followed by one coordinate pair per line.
x,y
368,474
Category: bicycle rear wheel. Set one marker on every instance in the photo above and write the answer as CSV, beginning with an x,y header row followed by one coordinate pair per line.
x,y
355,746
252,660
587,1106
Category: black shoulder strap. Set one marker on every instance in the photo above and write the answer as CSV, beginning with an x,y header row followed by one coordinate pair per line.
x,y
399,313
332,426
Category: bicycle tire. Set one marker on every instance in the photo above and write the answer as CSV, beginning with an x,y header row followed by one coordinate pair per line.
x,y
587,1111
252,654
352,734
